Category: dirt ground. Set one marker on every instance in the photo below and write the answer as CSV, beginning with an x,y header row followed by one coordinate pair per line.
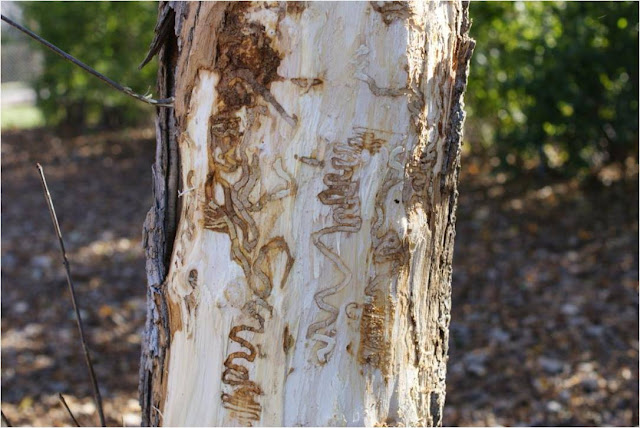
x,y
544,328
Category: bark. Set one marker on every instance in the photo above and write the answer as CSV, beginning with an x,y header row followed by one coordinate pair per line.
x,y
299,249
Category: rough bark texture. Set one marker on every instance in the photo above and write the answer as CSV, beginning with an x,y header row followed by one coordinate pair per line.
x,y
299,249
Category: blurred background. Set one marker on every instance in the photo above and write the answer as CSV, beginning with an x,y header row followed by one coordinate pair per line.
x,y
544,327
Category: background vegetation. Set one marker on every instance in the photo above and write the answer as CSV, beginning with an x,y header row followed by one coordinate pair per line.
x,y
553,85
112,37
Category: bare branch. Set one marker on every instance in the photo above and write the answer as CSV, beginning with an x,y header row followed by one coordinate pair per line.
x,y
163,29
85,347
165,102
64,403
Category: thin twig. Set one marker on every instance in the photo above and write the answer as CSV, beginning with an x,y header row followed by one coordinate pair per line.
x,y
5,420
165,102
159,412
85,347
64,403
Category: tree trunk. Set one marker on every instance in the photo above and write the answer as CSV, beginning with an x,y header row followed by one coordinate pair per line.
x,y
299,249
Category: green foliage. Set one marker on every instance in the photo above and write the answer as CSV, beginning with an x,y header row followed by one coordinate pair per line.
x,y
20,117
112,37
555,83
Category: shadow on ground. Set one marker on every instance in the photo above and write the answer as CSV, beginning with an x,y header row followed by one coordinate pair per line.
x,y
100,185
544,327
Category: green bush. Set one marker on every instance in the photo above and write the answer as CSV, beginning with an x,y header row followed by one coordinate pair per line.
x,y
112,37
555,83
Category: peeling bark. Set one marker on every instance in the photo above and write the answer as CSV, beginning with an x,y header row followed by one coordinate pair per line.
x,y
300,245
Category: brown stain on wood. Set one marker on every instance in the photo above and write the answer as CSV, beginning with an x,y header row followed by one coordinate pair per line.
x,y
245,59
296,8
307,83
175,316
392,10
190,300
242,401
266,258
242,404
310,160
287,340
375,334
390,258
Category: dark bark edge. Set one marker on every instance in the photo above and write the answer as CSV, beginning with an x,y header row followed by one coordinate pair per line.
x,y
160,223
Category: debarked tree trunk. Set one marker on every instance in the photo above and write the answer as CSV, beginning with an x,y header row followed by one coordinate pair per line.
x,y
299,249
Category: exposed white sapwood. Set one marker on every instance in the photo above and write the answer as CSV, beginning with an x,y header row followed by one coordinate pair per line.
x,y
307,278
